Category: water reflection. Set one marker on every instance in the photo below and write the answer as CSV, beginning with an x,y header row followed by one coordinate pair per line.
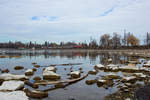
x,y
72,54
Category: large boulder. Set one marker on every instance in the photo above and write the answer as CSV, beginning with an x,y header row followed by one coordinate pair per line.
x,y
75,74
50,75
8,76
15,95
11,85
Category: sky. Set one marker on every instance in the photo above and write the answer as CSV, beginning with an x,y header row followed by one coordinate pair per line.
x,y
71,20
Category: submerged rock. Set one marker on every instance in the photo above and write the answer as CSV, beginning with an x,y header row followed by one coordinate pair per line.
x,y
35,94
5,71
15,95
50,75
11,85
8,76
29,72
90,82
37,78
37,66
75,74
18,67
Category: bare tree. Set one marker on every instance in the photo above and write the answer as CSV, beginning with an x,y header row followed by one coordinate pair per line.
x,y
105,40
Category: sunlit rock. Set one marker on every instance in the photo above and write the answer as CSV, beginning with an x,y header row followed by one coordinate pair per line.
x,y
100,66
75,74
110,60
15,95
8,76
101,82
51,68
11,85
140,75
129,79
129,68
29,72
93,72
50,75
112,76
147,64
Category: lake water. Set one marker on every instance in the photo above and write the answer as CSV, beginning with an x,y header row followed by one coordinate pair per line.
x,y
79,90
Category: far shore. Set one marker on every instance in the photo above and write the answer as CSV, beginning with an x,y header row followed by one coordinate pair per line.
x,y
130,52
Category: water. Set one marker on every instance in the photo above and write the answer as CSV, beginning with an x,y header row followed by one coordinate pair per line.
x,y
44,58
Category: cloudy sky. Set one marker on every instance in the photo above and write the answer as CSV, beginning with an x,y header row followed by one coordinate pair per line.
x,y
71,20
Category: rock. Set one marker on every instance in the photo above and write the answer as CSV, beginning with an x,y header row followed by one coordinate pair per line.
x,y
109,60
15,95
37,66
34,63
129,69
112,76
133,62
100,66
31,84
50,75
129,79
34,69
93,72
101,82
51,68
80,68
11,85
140,76
59,85
8,76
18,67
29,72
37,78
113,67
35,94
5,71
75,74
90,82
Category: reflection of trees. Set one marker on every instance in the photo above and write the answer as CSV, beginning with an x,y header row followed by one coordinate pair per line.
x,y
92,56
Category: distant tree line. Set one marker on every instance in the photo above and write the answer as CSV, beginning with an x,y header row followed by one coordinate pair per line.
x,y
106,41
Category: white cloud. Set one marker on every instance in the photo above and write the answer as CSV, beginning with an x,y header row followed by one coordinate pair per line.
x,y
64,20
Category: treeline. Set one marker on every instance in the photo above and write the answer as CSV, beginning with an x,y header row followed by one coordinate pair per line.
x,y
106,41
